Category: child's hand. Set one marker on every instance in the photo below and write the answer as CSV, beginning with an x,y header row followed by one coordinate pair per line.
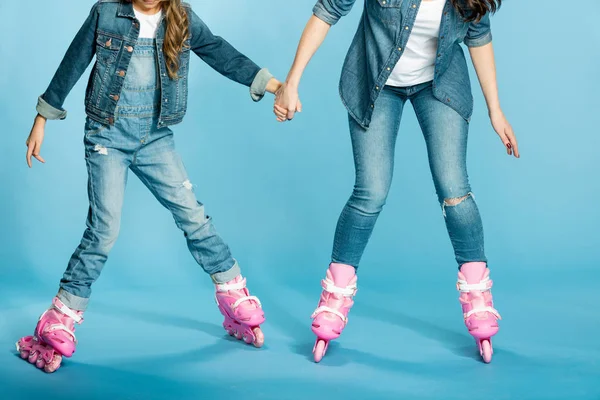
x,y
287,102
35,139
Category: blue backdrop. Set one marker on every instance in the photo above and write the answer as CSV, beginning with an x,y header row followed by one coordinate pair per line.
x,y
275,192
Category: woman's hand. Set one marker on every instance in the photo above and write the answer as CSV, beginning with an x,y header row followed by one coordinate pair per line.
x,y
505,131
35,139
287,102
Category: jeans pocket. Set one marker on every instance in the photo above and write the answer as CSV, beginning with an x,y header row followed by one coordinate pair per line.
x,y
93,127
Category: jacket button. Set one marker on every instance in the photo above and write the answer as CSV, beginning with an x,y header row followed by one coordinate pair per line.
x,y
115,97
129,49
121,73
111,120
108,42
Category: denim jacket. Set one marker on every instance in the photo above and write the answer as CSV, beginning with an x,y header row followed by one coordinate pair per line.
x,y
110,32
379,42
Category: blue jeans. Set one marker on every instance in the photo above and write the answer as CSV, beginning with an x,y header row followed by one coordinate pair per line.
x,y
445,133
135,143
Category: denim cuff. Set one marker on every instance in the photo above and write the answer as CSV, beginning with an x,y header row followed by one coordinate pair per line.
x,y
259,84
226,276
479,41
320,12
49,112
73,302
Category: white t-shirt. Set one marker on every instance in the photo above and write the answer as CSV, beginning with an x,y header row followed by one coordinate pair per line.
x,y
417,63
148,24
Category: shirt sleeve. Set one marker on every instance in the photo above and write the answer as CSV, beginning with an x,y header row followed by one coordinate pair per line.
x,y
479,33
330,11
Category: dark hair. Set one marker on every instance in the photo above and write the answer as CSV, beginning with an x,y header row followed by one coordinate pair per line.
x,y
474,10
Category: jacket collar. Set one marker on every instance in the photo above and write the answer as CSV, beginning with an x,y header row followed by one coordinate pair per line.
x,y
126,9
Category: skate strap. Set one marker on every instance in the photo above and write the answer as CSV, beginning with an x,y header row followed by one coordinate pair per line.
x,y
225,287
464,287
330,287
329,310
70,313
483,309
61,327
245,298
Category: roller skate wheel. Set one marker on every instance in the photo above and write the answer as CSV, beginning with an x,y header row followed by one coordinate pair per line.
x,y
259,337
238,335
247,339
319,350
54,364
486,351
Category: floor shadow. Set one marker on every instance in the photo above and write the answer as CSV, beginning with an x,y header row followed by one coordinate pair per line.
x,y
98,382
153,317
461,344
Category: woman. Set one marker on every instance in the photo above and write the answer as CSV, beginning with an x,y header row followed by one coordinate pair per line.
x,y
407,50
138,90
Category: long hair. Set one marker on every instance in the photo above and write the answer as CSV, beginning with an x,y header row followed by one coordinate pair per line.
x,y
177,30
176,33
474,10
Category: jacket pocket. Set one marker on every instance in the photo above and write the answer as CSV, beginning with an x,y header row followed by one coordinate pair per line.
x,y
107,48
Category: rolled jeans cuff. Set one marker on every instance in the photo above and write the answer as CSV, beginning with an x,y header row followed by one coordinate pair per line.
x,y
73,302
226,276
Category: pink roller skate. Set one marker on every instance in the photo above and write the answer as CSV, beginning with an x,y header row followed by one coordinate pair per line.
x,y
54,337
478,308
243,313
331,315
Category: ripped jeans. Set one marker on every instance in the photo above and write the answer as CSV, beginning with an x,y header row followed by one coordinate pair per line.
x,y
445,134
135,143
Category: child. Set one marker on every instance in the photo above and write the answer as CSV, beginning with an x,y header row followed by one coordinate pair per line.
x,y
136,91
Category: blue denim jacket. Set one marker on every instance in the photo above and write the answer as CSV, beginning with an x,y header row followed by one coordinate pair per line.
x,y
379,43
110,32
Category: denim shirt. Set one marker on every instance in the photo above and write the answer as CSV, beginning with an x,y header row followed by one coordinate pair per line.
x,y
379,42
110,33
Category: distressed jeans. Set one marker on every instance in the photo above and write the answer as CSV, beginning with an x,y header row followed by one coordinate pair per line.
x,y
445,133
135,143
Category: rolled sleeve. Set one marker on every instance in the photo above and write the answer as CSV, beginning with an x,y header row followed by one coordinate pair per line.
x,y
479,33
49,112
259,84
330,11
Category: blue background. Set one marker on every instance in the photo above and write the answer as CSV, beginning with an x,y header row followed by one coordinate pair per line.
x,y
275,192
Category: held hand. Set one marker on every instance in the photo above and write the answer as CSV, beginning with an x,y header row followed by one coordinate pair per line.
x,y
287,103
35,139
505,131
